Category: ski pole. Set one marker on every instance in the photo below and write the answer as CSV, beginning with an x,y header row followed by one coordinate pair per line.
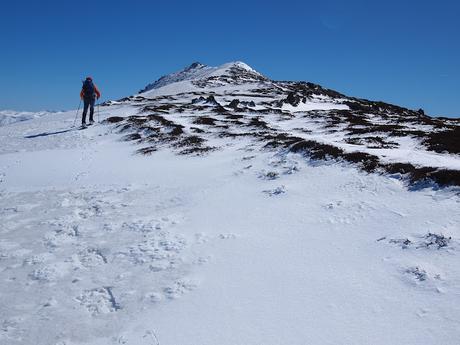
x,y
76,114
98,113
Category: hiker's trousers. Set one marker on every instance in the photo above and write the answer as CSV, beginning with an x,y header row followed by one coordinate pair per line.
x,y
88,103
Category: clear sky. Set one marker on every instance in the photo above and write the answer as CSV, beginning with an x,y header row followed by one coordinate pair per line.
x,y
405,52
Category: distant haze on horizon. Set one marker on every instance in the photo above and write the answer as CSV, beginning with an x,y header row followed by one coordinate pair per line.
x,y
402,53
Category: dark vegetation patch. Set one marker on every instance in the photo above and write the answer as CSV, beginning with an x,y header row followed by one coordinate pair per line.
x,y
393,130
378,107
390,129
163,108
372,142
263,93
293,99
430,240
317,150
258,122
220,110
370,163
176,129
445,141
353,119
113,119
147,150
436,240
234,116
332,121
156,129
197,150
367,161
269,111
132,137
205,120
423,175
303,130
307,89
399,168
446,177
137,120
228,134
192,144
192,140
234,119
281,140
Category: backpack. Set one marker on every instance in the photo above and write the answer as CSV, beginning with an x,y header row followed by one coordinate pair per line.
x,y
88,88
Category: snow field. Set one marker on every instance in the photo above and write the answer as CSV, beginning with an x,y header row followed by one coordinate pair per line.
x,y
243,245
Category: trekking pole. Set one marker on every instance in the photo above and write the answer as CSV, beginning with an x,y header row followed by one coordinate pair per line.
x,y
76,114
98,113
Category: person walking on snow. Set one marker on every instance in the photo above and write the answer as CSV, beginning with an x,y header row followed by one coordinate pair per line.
x,y
89,93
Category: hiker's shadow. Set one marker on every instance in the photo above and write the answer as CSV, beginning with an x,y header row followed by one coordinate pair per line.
x,y
45,134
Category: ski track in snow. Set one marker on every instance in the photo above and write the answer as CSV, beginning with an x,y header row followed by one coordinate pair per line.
x,y
242,246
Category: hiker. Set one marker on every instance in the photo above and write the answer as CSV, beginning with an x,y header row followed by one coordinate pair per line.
x,y
88,94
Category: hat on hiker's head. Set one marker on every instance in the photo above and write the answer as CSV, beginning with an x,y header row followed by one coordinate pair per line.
x,y
89,78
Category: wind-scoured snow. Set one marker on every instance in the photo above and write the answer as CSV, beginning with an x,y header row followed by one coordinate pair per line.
x,y
184,220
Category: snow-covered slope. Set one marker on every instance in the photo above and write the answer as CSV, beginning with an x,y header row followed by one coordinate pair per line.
x,y
227,208
377,135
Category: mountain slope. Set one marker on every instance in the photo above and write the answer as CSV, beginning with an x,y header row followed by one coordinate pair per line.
x,y
228,209
378,136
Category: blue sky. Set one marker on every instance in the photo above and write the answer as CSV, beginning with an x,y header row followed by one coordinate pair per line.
x,y
403,52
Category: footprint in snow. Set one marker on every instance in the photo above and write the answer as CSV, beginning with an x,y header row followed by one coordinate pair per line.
x,y
269,175
227,236
99,301
276,191
422,277
179,288
92,257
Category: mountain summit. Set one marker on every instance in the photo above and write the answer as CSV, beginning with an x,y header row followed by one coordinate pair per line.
x,y
238,70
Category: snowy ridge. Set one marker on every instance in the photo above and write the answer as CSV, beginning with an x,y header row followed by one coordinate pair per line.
x,y
8,117
197,71
194,71
228,209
